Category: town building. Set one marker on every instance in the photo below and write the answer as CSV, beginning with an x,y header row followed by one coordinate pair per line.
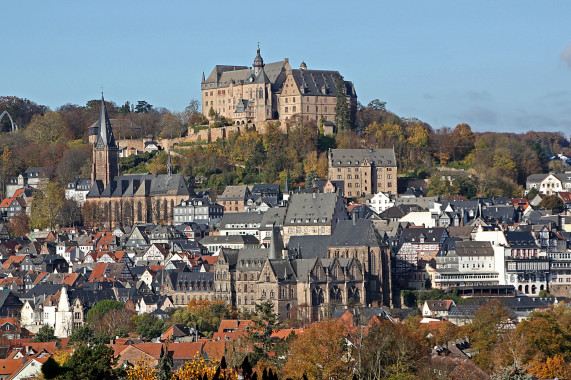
x,y
549,184
198,210
364,171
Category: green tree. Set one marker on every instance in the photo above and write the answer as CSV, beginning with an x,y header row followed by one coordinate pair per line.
x,y
165,364
439,186
125,109
377,105
83,334
266,321
87,363
45,334
143,107
342,112
48,200
148,325
552,203
531,194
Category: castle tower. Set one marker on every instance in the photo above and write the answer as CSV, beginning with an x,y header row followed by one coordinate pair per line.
x,y
258,62
105,150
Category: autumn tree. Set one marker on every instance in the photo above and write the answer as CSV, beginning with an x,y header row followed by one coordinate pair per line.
x,y
487,327
47,128
319,353
171,126
391,352
19,225
48,200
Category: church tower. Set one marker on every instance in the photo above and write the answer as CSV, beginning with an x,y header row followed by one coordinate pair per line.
x,y
105,150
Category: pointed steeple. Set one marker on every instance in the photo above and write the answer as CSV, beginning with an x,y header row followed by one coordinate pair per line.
x,y
169,164
276,244
203,79
105,136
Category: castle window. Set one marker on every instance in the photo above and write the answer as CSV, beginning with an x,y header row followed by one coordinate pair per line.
x,y
286,109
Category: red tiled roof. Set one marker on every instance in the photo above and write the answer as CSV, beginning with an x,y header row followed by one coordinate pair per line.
x,y
185,350
97,272
9,366
70,278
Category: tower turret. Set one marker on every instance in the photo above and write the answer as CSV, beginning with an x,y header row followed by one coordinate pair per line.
x,y
258,62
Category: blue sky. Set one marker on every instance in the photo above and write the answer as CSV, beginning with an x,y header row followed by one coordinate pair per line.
x,y
497,65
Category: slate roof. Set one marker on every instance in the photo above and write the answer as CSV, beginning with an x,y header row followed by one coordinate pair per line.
x,y
358,233
309,247
356,157
311,209
320,82
431,235
273,216
474,248
105,136
135,185
520,239
283,269
240,218
303,268
229,239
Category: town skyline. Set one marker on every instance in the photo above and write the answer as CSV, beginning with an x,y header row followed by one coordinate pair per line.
x,y
495,67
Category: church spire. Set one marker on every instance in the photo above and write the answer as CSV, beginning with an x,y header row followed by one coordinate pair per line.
x,y
105,136
105,150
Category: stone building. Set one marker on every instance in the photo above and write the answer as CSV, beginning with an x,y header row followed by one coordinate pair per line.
x,y
272,91
118,200
313,214
364,171
298,288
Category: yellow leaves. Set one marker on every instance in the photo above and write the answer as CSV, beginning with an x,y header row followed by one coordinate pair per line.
x,y
142,370
61,356
195,369
418,136
554,367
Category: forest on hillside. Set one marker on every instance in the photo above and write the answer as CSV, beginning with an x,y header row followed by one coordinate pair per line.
x,y
484,164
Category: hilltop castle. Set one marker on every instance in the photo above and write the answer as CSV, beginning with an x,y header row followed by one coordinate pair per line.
x,y
272,91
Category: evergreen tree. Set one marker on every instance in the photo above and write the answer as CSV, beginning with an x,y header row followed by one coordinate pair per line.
x,y
45,334
165,364
342,112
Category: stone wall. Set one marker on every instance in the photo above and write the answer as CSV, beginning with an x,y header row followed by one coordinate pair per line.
x,y
560,290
